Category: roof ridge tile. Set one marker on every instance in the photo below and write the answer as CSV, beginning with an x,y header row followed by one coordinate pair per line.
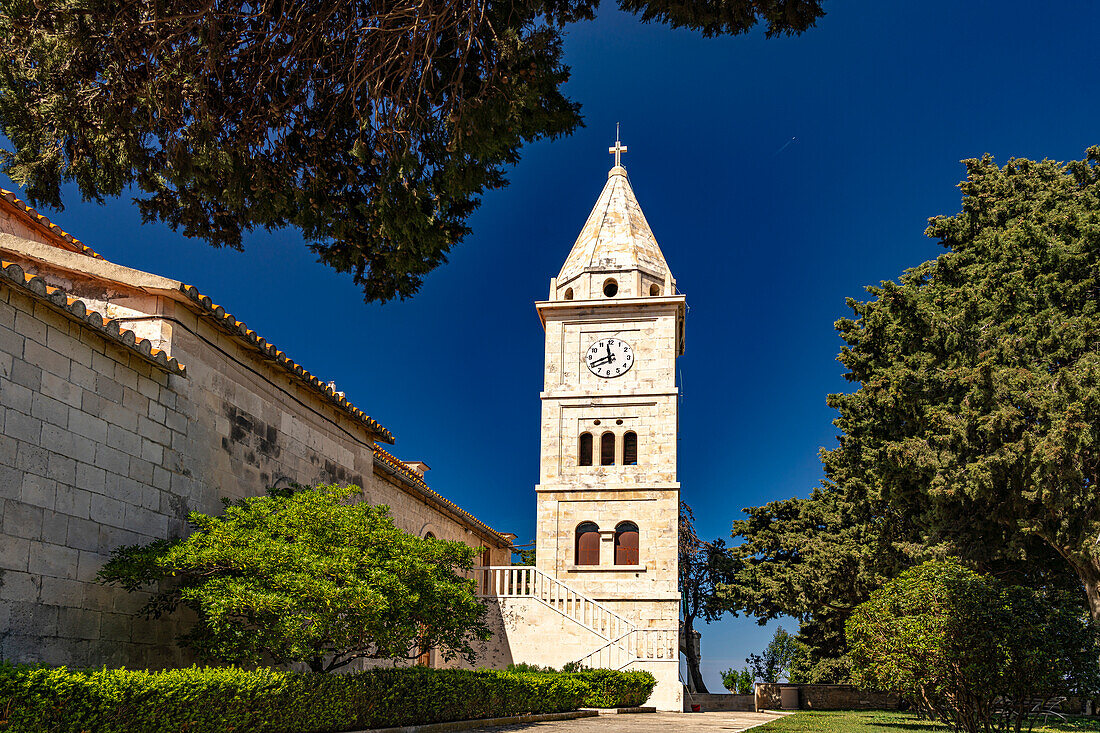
x,y
237,328
77,309
42,221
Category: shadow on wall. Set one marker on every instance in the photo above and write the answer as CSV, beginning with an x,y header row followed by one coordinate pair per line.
x,y
496,653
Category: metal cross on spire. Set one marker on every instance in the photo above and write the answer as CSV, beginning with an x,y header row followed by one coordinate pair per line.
x,y
619,147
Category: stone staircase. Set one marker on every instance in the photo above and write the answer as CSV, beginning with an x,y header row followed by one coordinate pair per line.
x,y
618,644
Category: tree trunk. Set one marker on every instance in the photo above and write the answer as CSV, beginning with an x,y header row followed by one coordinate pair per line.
x,y
1092,593
1090,578
695,677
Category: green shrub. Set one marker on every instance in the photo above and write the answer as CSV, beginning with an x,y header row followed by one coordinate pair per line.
x,y
964,646
308,575
209,700
608,688
525,667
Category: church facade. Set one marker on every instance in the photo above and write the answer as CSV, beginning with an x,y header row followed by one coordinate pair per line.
x,y
128,400
604,587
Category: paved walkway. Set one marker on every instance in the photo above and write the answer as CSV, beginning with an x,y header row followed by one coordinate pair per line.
x,y
645,722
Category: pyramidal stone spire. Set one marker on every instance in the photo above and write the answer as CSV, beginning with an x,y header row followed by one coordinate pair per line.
x,y
616,237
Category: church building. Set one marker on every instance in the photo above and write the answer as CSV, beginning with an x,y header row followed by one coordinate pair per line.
x,y
604,587
128,400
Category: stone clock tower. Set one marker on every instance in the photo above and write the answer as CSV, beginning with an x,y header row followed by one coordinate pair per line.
x,y
608,496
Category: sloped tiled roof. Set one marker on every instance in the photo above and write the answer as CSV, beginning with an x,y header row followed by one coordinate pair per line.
x,y
243,333
616,235
218,314
43,224
76,309
417,480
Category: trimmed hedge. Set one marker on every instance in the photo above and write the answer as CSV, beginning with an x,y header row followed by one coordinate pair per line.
x,y
227,699
610,689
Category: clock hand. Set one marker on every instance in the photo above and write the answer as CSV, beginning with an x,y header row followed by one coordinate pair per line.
x,y
598,362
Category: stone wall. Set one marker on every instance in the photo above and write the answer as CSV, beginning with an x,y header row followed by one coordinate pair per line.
x,y
711,703
101,449
822,697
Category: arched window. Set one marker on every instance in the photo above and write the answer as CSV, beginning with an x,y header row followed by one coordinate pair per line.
x,y
654,289
429,536
630,449
607,449
588,544
610,287
626,544
569,293
585,458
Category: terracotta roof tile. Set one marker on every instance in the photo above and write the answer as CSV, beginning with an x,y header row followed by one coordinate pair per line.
x,y
243,333
75,308
41,222
400,467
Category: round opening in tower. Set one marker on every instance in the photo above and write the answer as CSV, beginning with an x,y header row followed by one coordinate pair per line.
x,y
610,287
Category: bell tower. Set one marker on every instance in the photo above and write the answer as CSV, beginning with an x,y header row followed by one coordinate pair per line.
x,y
608,495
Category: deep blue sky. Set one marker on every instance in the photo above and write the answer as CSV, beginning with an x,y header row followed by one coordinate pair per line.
x,y
766,239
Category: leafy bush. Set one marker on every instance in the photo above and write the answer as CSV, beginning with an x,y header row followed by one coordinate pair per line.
x,y
305,575
608,688
202,700
971,649
525,667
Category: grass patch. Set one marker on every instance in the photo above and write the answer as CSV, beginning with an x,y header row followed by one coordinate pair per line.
x,y
874,721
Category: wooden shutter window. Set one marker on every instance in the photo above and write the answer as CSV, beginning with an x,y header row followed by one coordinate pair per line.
x,y
586,450
588,544
626,544
607,449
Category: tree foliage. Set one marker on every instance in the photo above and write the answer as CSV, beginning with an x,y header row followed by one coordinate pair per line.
x,y
738,683
779,657
371,127
309,576
978,409
972,650
813,559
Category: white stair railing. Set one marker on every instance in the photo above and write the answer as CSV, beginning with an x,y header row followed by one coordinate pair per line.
x,y
525,581
623,642
638,645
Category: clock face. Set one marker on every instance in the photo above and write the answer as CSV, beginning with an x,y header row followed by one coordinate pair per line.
x,y
609,357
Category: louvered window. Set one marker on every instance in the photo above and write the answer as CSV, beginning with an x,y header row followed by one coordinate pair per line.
x,y
586,450
607,449
630,449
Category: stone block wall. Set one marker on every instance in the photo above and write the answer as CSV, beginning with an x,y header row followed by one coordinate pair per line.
x,y
102,449
711,703
781,696
83,470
